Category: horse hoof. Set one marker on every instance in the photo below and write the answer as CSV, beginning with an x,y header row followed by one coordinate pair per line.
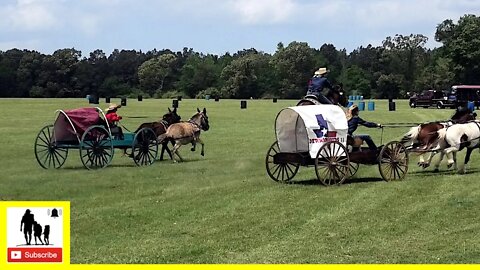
x,y
449,166
192,149
436,170
203,154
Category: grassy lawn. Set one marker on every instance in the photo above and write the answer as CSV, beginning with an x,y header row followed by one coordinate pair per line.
x,y
223,208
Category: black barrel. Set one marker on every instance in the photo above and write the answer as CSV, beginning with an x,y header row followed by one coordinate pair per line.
x,y
107,100
274,100
175,103
179,98
243,104
124,102
391,106
140,98
217,99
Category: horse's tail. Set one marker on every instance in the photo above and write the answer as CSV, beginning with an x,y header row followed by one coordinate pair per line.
x,y
410,136
442,134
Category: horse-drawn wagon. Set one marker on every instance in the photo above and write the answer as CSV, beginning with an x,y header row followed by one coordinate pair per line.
x,y
316,136
87,130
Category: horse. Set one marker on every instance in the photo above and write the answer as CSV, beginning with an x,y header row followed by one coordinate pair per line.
x,y
187,132
425,136
160,127
455,138
334,96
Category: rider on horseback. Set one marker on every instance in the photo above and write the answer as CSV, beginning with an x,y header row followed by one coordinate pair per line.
x,y
317,84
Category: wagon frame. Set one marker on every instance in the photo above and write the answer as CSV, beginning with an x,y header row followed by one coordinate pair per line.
x,y
87,130
327,150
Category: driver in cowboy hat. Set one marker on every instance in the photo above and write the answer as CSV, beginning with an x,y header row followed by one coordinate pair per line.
x,y
354,120
113,118
318,83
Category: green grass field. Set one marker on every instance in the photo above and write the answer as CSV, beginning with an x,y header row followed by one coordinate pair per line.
x,y
223,208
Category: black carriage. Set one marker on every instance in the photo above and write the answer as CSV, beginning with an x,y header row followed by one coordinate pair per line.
x,y
87,130
316,136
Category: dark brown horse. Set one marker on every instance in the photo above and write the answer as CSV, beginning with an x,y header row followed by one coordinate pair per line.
x,y
334,96
424,137
160,127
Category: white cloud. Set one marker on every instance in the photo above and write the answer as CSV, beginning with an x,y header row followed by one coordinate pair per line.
x,y
29,15
264,12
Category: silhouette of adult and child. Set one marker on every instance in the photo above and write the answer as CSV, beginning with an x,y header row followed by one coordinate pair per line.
x,y
29,225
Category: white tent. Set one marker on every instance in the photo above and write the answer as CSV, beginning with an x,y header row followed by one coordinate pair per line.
x,y
304,129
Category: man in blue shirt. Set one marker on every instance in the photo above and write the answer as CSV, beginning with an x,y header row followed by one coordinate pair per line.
x,y
354,120
318,83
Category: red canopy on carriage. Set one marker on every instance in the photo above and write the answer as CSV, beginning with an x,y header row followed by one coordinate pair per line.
x,y
71,124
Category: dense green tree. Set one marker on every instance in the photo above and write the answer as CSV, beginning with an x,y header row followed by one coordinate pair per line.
x,y
293,66
246,76
461,43
356,81
153,73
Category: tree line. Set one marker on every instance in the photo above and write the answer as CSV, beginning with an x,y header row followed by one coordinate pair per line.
x,y
400,65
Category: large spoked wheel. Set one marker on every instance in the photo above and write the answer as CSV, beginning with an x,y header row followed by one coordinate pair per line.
x,y
282,172
352,169
393,161
96,148
145,147
46,152
332,164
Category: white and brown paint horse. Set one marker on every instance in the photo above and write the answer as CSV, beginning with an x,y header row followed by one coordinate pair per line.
x,y
424,137
455,138
187,132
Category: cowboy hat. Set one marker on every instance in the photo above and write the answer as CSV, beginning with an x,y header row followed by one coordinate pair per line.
x,y
321,71
112,107
349,113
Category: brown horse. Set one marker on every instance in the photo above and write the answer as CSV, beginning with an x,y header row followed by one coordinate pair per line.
x,y
187,132
160,127
424,137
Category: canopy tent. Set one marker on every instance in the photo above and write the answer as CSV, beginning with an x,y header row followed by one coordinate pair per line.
x,y
304,129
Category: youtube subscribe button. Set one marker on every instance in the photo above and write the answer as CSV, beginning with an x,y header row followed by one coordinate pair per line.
x,y
48,255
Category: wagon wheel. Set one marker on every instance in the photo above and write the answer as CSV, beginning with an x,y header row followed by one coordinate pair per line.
x,y
352,169
393,161
48,155
332,164
96,148
283,172
145,147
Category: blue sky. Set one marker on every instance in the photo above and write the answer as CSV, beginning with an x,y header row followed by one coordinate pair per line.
x,y
217,26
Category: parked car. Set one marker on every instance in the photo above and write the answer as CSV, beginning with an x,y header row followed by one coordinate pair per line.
x,y
429,98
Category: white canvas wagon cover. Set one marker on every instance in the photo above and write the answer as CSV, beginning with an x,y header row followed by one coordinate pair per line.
x,y
306,128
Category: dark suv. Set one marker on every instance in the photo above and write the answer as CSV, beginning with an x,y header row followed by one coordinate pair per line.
x,y
429,98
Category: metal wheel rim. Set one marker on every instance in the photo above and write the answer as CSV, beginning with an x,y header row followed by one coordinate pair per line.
x,y
330,167
145,147
393,161
279,172
96,153
47,154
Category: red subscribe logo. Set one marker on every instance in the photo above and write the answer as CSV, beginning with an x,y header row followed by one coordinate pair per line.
x,y
47,255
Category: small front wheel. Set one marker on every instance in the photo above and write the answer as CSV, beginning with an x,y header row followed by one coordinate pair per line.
x,y
145,147
393,161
